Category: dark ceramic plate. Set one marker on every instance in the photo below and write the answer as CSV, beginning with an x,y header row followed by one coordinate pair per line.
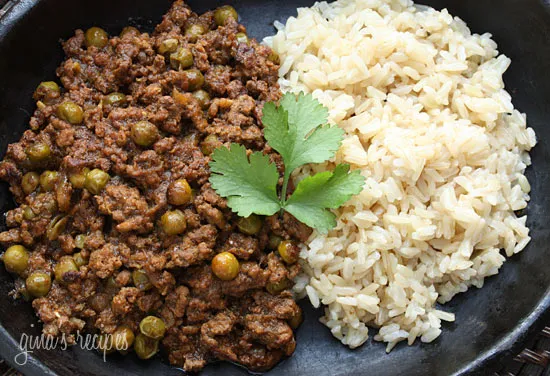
x,y
490,323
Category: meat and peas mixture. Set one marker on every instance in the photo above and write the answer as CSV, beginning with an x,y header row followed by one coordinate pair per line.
x,y
118,231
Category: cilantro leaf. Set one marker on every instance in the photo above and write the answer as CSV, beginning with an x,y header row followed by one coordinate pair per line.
x,y
304,112
297,130
250,186
293,130
275,120
326,190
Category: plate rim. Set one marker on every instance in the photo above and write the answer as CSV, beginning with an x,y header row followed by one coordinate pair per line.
x,y
488,361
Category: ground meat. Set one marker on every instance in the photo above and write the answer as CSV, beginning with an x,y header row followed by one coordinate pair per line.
x,y
242,246
268,330
195,247
124,301
126,206
105,261
128,266
178,300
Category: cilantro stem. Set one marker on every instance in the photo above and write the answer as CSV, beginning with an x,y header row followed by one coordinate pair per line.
x,y
286,178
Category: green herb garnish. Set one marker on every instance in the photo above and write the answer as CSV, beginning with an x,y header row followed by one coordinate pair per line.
x,y
297,130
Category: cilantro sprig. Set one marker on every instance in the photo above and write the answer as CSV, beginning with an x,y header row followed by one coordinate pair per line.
x,y
297,129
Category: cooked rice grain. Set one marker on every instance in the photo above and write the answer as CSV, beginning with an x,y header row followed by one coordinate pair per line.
x,y
443,151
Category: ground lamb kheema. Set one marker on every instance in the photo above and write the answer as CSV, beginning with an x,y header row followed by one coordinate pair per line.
x,y
117,230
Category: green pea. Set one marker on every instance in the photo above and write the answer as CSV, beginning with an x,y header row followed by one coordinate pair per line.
x,y
30,182
25,294
16,259
192,138
38,152
181,59
209,144
80,241
168,46
173,222
223,13
70,112
203,97
64,267
274,241
50,86
193,32
144,133
250,225
274,57
123,338
145,347
114,99
28,213
78,180
242,38
79,260
99,301
152,327
48,180
56,226
38,284
111,283
141,280
225,266
46,91
96,37
129,30
195,79
96,180
274,288
180,193
288,251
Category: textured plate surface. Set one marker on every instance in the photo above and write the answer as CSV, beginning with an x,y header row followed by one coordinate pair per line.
x,y
489,321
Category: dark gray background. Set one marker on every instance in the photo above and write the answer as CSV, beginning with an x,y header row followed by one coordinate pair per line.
x,y
489,321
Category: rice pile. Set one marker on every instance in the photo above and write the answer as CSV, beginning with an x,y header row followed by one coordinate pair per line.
x,y
443,150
